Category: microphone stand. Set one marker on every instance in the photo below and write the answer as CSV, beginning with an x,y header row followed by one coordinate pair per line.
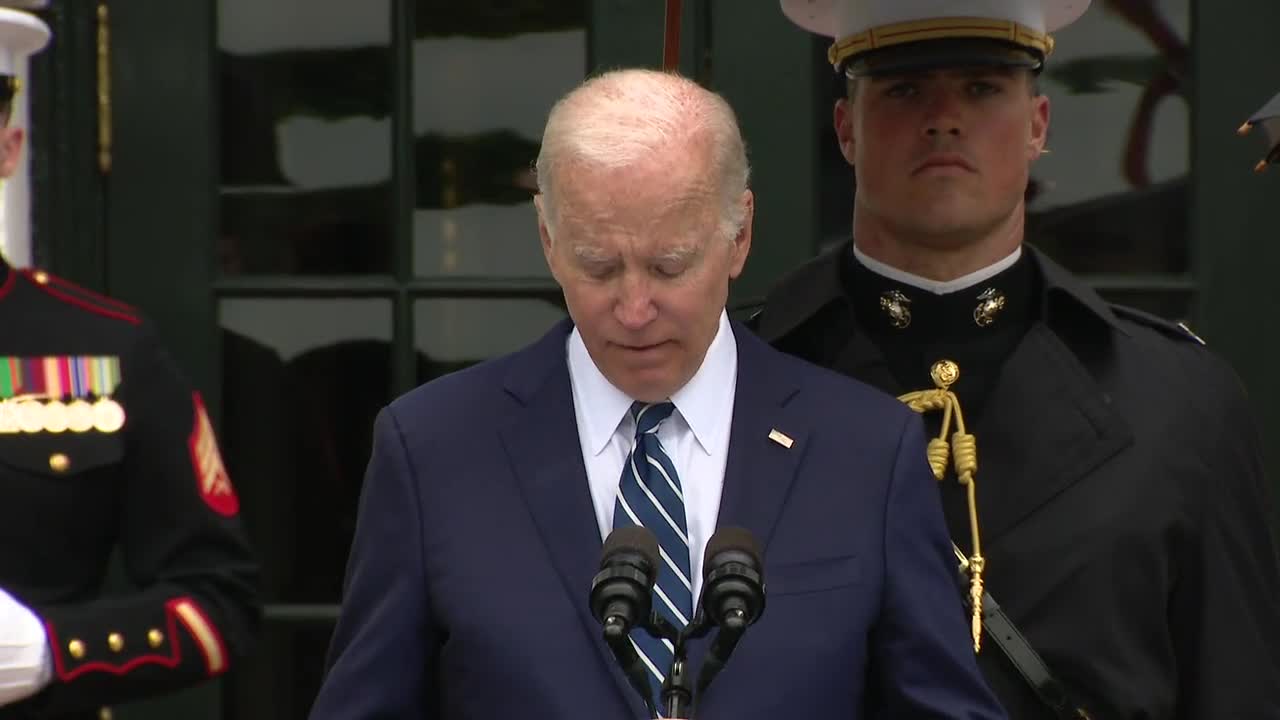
x,y
618,638
731,630
677,690
677,695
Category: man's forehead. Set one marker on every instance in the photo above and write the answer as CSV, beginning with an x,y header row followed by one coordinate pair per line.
x,y
634,204
662,174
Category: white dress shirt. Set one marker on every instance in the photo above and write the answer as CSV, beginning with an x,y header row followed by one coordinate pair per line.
x,y
696,436
25,664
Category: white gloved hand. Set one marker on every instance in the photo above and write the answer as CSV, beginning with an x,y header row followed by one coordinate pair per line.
x,y
26,666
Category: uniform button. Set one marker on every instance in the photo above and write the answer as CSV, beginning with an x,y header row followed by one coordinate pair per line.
x,y
115,641
76,648
59,462
155,637
42,277
105,714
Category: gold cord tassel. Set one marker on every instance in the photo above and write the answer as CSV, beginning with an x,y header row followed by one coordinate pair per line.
x,y
962,452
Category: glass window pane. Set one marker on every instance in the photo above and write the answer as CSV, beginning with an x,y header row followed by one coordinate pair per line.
x,y
306,95
484,78
1112,195
452,333
1139,232
302,383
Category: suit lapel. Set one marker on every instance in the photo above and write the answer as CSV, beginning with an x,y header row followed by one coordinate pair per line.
x,y
761,469
1043,386
546,458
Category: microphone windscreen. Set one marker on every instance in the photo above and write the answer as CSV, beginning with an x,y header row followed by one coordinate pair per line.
x,y
730,538
633,538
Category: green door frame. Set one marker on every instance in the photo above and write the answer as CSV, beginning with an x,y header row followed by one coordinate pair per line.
x,y
129,231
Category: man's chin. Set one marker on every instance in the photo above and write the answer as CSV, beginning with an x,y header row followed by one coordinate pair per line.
x,y
654,385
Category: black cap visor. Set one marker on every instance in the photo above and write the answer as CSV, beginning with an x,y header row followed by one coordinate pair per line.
x,y
929,55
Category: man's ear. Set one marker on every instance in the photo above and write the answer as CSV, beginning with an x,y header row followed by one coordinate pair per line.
x,y
544,232
842,122
11,140
742,243
1039,127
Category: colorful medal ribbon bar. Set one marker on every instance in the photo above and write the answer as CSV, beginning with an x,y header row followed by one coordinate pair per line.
x,y
56,377
32,391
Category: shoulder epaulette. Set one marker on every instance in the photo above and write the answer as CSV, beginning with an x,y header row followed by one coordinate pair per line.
x,y
83,298
747,312
1174,329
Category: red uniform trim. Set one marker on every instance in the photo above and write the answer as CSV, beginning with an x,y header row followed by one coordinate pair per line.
x,y
203,632
121,311
92,295
167,661
212,481
8,282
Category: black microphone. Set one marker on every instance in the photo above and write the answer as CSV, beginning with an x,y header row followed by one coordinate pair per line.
x,y
732,594
621,598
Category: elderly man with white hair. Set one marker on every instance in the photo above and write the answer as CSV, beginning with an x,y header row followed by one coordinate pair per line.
x,y
648,414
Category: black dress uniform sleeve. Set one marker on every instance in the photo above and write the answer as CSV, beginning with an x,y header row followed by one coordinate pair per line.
x,y
195,604
1225,606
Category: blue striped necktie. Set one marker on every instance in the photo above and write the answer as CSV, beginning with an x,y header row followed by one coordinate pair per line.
x,y
649,494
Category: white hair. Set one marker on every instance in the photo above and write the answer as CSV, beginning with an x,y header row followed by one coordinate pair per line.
x,y
624,116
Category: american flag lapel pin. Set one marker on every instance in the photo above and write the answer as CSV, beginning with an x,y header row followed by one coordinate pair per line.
x,y
781,438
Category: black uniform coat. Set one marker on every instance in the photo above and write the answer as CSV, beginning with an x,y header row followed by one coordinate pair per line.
x,y
1120,490
155,490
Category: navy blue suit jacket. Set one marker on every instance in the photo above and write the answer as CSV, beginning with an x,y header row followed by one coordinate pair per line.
x,y
466,590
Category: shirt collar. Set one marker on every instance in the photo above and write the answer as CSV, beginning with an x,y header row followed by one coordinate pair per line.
x,y
702,402
936,287
602,405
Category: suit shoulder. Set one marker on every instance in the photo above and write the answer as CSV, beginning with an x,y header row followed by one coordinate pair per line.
x,y
748,313
471,391
1173,346
79,300
1172,351
833,389
1172,330
798,295
811,270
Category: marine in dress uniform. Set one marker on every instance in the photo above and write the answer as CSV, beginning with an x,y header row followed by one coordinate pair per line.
x,y
104,446
1268,118
1099,466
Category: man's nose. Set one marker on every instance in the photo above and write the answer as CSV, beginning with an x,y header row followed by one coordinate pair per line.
x,y
946,116
635,308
